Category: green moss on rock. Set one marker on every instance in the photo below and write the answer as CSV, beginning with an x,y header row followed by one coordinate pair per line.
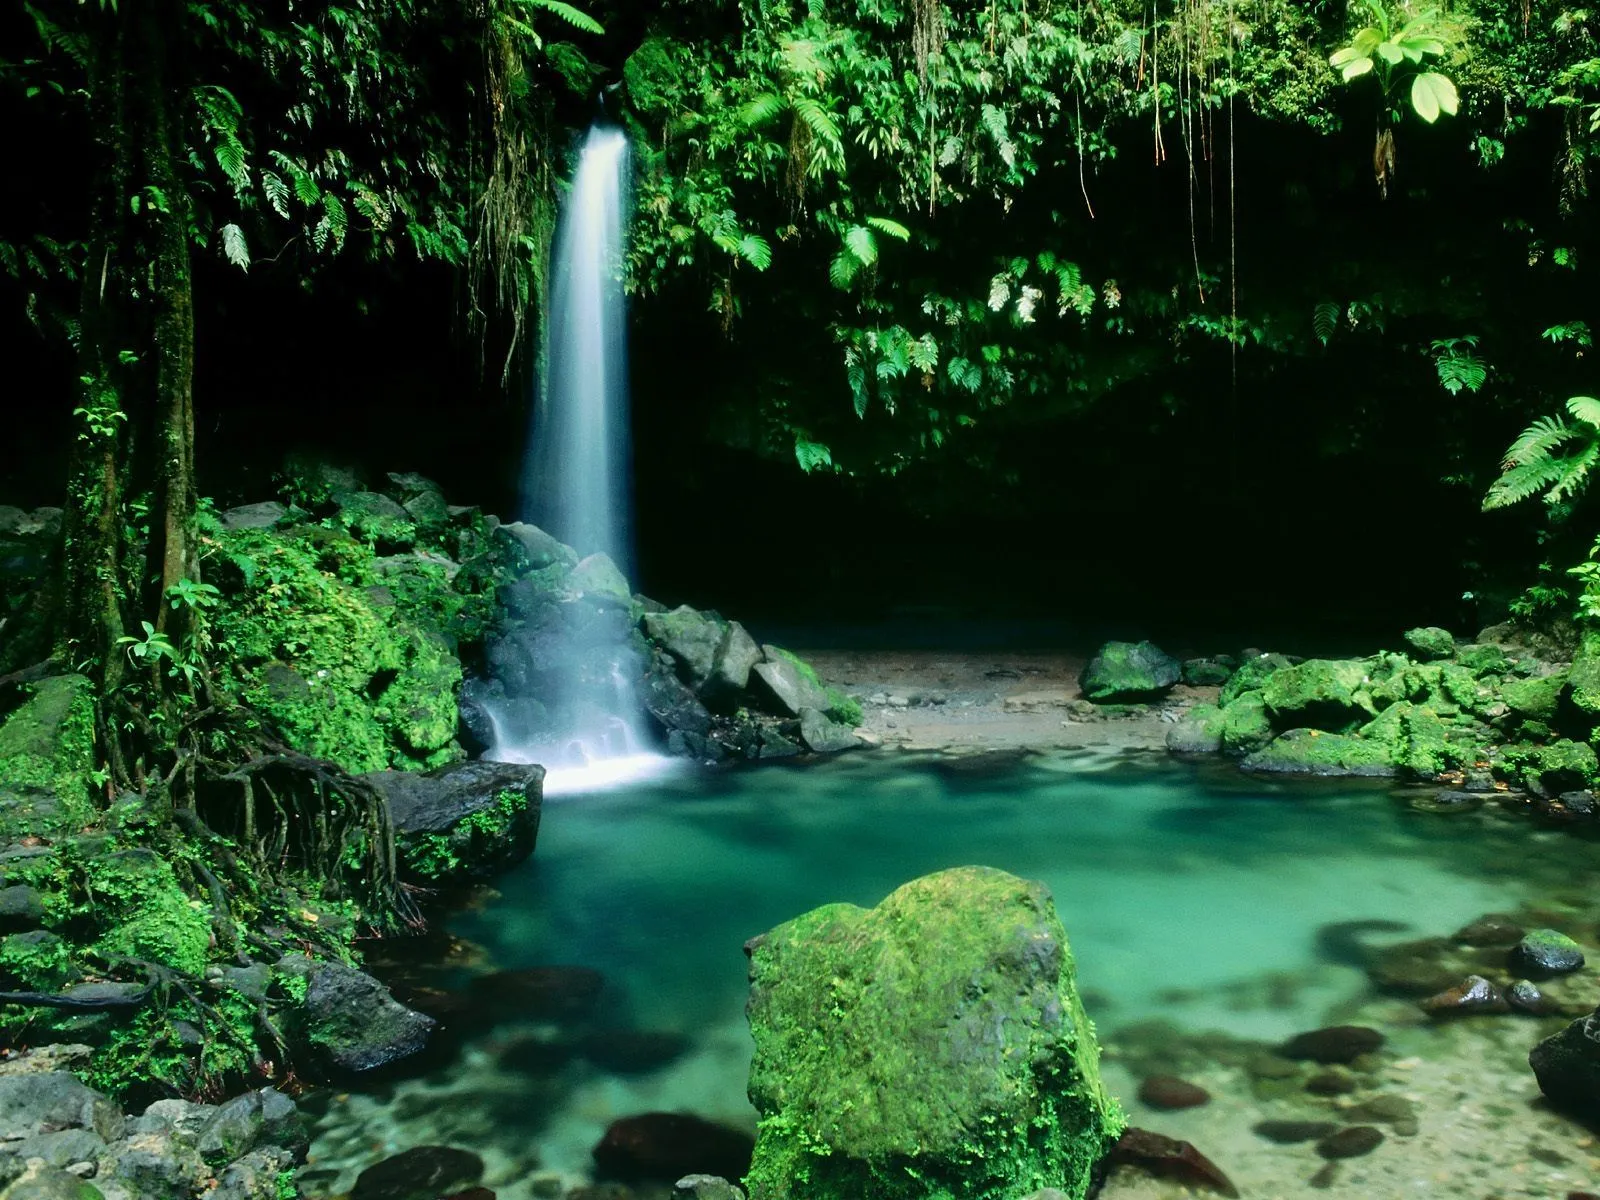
x,y
1127,671
1314,752
1561,766
1538,698
1200,731
1252,674
1430,642
1320,693
1245,725
1418,741
934,1046
46,760
144,913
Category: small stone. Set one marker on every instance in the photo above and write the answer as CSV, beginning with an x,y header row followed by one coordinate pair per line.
x,y
21,907
1491,929
1351,1142
1168,1091
1270,1066
1431,642
1333,1082
705,1187
419,1174
1545,952
1525,996
1287,1133
1334,1044
546,1185
1169,1158
1474,994
1325,1176
1387,1109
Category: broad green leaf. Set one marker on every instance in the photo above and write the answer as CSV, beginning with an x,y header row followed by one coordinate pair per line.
x,y
755,250
1391,54
862,244
842,270
1431,94
1357,68
893,228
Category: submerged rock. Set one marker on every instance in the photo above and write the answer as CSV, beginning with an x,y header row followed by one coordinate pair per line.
x,y
422,1173
1168,1158
1352,1142
1168,1091
665,1147
1286,1133
933,1042
1334,1044
351,1023
1127,672
1474,994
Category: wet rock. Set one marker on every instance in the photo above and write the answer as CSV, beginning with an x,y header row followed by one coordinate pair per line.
x,y
1168,1158
600,581
668,1146
42,1182
1314,752
375,518
1129,672
261,1118
632,1052
1325,1177
466,821
537,993
1334,1044
692,638
1562,766
39,1103
422,1173
1271,1067
1448,801
268,514
351,1022
1491,929
957,986
1335,1081
1525,996
705,1187
1472,995
672,703
533,547
1351,1142
1418,968
256,1176
737,654
775,745
1567,1065
1387,1109
60,1148
787,685
1286,1133
1322,694
1567,808
21,907
823,736
1199,732
1168,1091
1545,952
1430,643
1205,672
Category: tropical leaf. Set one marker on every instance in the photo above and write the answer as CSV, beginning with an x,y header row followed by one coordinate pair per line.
x,y
842,270
760,109
811,455
1325,321
234,247
277,192
575,17
1585,408
994,122
1432,94
893,228
229,152
861,243
756,251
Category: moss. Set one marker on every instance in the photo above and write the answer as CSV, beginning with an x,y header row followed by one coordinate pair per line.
x,y
37,962
1314,752
143,912
1431,642
1584,675
1418,741
441,856
341,675
933,1046
1561,766
1245,727
1537,698
1483,659
47,760
1252,674
842,707
1327,694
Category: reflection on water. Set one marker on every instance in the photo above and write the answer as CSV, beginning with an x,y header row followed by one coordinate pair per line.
x,y
1187,895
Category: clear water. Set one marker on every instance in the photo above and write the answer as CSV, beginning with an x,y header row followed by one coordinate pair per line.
x,y
1189,894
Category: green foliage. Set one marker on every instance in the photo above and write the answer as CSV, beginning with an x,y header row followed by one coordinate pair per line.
x,y
1551,457
1459,368
1393,52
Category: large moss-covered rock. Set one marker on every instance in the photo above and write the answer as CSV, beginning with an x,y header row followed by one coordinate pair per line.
x,y
934,1046
1252,675
1320,693
46,757
1538,698
1126,672
1199,732
691,637
465,821
1418,741
1431,642
1584,677
1562,766
1245,725
1314,752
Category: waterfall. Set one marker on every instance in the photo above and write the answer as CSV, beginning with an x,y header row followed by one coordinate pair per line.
x,y
580,716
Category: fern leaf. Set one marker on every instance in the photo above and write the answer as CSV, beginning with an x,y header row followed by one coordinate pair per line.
x,y
1537,441
229,152
860,242
999,292
842,270
811,455
857,377
994,121
893,228
1585,408
277,192
575,17
338,220
760,109
1325,321
1523,481
821,123
234,247
1574,473
756,251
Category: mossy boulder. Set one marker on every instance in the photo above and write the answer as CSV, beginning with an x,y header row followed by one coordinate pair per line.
x,y
1483,659
1127,672
466,821
1252,675
146,915
46,760
933,1046
375,519
348,1022
1583,678
1199,732
1245,725
1320,693
1538,698
1563,766
1418,741
1429,642
1315,752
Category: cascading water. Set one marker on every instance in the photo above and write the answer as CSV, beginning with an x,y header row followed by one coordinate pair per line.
x,y
576,710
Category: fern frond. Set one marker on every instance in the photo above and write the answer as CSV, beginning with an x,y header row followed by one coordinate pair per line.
x,y
994,122
1585,408
1574,472
575,17
758,110
821,124
1325,321
842,270
860,242
756,251
277,192
1537,441
1523,481
893,228
234,247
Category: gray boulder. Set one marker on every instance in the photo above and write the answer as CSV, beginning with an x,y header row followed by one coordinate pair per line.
x,y
245,1123
788,684
465,821
1129,672
601,581
535,548
823,736
1567,1065
31,1104
737,654
268,514
691,637
350,1023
